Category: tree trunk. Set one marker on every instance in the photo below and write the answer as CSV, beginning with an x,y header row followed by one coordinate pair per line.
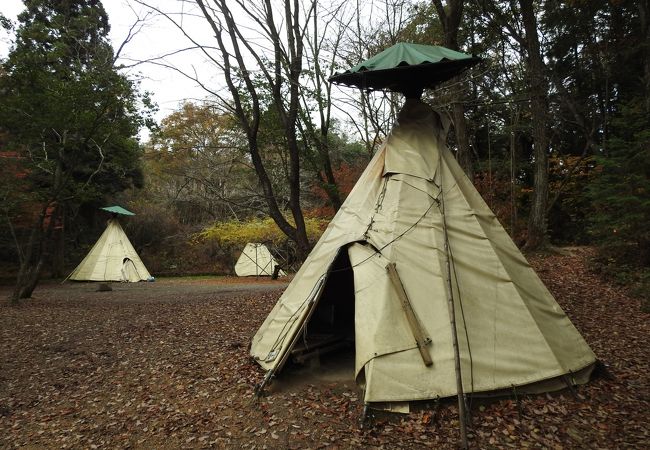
x,y
537,223
27,280
513,169
31,264
330,186
58,246
323,99
290,116
450,19
644,19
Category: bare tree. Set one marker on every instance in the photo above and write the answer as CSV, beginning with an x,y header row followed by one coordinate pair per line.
x,y
377,26
275,59
280,67
526,35
537,223
323,44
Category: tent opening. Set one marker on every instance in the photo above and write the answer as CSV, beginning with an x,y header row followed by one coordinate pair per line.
x,y
330,330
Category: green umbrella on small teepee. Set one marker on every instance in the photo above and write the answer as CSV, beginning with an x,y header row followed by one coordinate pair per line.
x,y
407,68
118,210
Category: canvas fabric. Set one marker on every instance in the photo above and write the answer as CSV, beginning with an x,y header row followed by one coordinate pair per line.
x,y
105,261
129,271
256,260
511,331
404,53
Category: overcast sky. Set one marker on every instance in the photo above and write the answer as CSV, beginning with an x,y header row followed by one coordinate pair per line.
x,y
158,37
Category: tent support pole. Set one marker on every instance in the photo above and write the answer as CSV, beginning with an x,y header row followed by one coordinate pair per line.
x,y
459,380
462,416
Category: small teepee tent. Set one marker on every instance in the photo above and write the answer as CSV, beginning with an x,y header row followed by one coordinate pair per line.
x,y
112,258
417,271
256,260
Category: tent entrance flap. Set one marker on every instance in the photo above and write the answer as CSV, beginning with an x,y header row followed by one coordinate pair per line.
x,y
330,327
129,271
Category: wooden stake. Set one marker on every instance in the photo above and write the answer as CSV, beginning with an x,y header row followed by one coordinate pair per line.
x,y
414,324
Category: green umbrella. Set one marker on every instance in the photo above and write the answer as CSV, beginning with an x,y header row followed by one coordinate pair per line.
x,y
407,68
118,210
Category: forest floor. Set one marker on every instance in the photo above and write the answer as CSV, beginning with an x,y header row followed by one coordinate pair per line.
x,y
166,365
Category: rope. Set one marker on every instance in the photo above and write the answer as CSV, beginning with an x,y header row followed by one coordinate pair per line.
x,y
380,202
294,316
378,251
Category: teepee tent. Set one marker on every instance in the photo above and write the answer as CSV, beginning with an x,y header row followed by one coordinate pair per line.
x,y
256,260
417,271
112,258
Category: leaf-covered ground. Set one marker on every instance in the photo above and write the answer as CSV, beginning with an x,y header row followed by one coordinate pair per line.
x,y
166,365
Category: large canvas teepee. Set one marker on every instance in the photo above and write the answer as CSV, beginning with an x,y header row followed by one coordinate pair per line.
x,y
112,258
413,238
256,260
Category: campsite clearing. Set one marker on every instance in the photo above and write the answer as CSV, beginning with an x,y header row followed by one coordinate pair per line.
x,y
165,364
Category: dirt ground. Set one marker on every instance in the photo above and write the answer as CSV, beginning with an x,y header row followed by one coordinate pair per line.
x,y
165,365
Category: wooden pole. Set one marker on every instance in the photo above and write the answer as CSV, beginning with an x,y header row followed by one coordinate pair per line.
x,y
454,333
413,322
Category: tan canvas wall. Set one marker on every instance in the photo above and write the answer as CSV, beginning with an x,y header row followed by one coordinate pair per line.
x,y
511,330
256,260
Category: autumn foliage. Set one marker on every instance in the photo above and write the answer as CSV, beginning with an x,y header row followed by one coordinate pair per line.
x,y
346,176
230,237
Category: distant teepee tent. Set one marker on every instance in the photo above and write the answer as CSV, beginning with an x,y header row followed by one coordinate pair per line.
x,y
256,260
414,242
112,258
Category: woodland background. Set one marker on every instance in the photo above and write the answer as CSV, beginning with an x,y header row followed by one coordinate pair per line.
x,y
553,127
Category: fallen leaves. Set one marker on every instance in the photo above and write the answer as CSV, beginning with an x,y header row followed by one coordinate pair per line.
x,y
166,365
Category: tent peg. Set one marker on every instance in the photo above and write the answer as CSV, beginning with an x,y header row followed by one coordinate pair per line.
x,y
259,389
570,382
520,409
365,416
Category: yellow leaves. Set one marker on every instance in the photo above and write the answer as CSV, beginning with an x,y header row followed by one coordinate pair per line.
x,y
192,117
194,129
239,233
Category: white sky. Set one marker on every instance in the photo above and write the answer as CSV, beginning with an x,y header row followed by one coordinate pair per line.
x,y
157,38
160,37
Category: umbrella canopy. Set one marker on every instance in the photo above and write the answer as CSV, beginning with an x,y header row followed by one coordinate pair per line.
x,y
407,68
118,210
